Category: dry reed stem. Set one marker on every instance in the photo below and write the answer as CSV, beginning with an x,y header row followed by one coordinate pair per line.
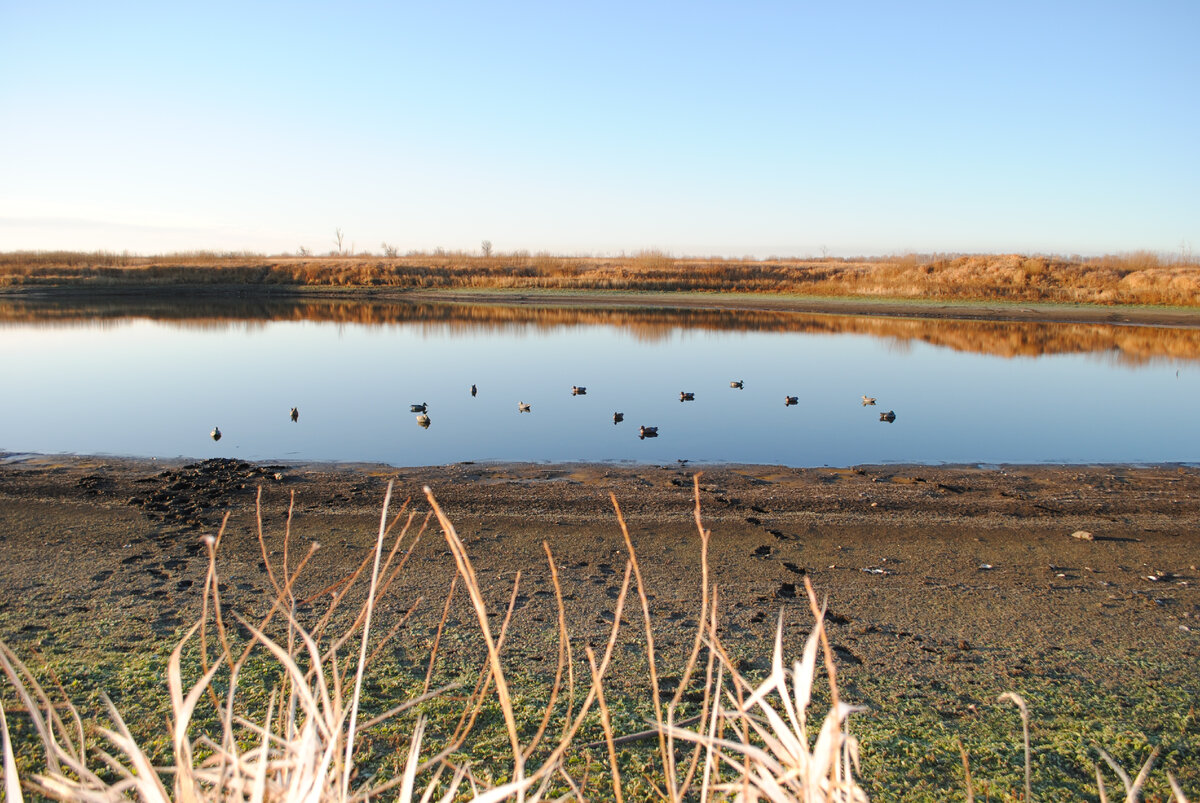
x,y
474,707
606,724
12,784
209,590
1133,789
1019,701
287,533
1176,789
697,643
366,632
468,573
668,764
433,653
277,603
403,620
707,709
375,589
618,610
970,789
818,612
563,657
564,636
262,542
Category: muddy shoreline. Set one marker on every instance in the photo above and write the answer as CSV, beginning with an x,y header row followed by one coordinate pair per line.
x,y
945,585
981,555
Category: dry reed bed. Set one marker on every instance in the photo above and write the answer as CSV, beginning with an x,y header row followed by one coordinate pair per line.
x,y
749,741
1136,278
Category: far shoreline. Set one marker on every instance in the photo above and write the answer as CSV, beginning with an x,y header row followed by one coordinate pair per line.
x,y
143,462
872,306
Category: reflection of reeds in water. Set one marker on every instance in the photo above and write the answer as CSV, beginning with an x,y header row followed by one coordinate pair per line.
x,y
751,740
1127,344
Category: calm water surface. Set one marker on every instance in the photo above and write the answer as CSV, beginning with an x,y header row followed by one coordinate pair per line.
x,y
156,384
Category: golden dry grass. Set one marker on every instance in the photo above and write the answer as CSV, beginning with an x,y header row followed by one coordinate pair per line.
x,y
1134,278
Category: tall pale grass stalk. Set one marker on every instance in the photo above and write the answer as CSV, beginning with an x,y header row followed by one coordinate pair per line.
x,y
1019,702
362,653
468,574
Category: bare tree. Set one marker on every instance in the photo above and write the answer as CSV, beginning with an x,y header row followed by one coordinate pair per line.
x,y
486,248
389,251
338,237
304,252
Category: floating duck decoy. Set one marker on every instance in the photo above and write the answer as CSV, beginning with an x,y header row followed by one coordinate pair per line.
x,y
889,416
868,400
647,432
423,421
295,414
215,434
685,396
618,418
788,401
423,407
474,390
523,407
576,390
737,383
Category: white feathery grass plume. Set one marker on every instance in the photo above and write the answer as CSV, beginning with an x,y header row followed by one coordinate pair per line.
x,y
783,768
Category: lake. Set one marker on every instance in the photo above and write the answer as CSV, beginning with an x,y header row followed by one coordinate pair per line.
x,y
152,378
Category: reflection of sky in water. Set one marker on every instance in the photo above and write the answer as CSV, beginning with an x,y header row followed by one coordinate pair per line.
x,y
143,388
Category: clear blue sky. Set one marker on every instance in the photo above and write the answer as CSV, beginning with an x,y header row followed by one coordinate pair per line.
x,y
697,128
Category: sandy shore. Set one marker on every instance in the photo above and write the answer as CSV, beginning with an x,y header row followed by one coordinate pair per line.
x,y
963,574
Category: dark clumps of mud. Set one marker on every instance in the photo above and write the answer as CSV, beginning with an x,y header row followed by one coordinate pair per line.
x,y
199,494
